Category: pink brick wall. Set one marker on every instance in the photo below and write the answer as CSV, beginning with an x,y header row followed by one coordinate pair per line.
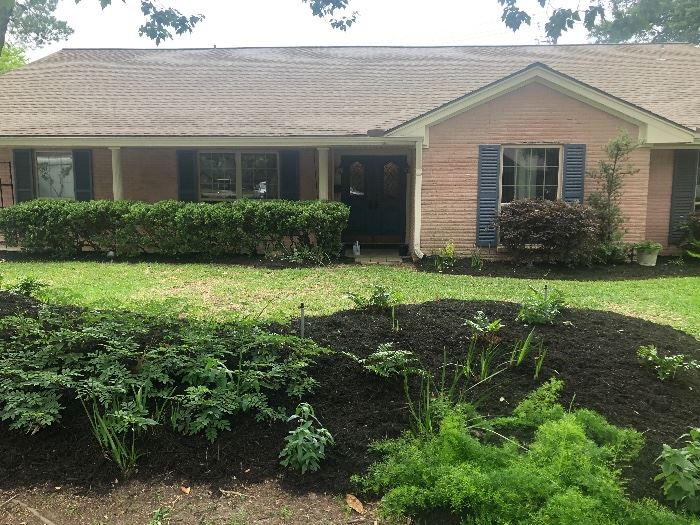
x,y
533,114
150,174
659,197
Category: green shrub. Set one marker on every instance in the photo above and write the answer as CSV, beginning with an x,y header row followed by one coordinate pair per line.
x,y
305,446
445,257
380,298
666,366
541,307
680,472
464,472
65,228
691,234
549,231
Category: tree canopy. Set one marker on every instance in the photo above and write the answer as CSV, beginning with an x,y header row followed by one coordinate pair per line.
x,y
11,57
615,20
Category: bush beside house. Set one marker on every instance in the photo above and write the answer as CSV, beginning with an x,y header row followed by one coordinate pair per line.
x,y
65,228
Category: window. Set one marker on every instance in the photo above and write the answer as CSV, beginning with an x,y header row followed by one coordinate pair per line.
x,y
530,173
217,176
55,179
260,175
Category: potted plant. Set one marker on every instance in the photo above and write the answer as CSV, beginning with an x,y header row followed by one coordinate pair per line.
x,y
647,251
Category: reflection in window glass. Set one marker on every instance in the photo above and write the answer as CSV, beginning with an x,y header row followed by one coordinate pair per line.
x,y
55,175
357,179
260,175
391,179
217,176
530,173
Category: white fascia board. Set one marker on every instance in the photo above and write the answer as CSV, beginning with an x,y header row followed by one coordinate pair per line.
x,y
208,142
652,129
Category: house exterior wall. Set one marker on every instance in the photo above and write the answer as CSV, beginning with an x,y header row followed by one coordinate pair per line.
x,y
659,197
533,114
308,175
8,197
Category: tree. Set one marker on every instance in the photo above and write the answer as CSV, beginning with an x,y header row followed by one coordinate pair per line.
x,y
606,201
32,23
11,58
616,20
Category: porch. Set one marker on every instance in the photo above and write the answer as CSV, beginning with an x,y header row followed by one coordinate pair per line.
x,y
376,177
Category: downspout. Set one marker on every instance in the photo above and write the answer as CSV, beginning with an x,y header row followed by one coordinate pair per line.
x,y
417,200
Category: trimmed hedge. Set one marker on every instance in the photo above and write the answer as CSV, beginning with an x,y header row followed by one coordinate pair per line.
x,y
65,228
549,231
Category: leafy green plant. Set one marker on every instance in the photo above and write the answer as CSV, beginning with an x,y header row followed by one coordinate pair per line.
x,y
305,446
521,349
482,326
29,286
647,246
160,516
540,307
540,361
445,258
380,298
666,366
680,472
388,362
476,259
690,226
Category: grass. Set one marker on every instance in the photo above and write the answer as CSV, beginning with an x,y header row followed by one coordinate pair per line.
x,y
226,291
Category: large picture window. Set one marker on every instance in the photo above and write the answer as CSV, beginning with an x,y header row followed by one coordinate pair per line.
x,y
217,176
54,175
260,175
225,175
530,173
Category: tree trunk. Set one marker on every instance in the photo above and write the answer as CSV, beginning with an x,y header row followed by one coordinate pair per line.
x,y
6,8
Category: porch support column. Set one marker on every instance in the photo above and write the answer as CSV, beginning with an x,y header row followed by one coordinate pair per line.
x,y
417,200
323,173
117,176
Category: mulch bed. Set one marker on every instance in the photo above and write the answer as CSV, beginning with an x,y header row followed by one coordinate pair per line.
x,y
665,267
593,352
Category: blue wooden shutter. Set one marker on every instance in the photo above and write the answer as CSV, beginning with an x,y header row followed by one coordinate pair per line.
x,y
187,179
289,175
574,172
487,194
82,171
685,172
24,175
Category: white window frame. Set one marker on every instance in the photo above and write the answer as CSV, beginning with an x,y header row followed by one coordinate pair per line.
x,y
35,182
560,176
239,171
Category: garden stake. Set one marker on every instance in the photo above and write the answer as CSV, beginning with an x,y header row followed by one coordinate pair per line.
x,y
301,320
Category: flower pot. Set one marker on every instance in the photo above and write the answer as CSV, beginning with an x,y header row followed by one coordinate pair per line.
x,y
647,257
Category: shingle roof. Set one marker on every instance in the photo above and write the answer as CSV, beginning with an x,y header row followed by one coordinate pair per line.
x,y
312,90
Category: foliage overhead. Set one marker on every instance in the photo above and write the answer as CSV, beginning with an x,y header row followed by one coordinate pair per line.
x,y
615,20
11,57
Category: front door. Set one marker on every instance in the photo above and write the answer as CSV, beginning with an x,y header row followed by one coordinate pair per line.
x,y
375,189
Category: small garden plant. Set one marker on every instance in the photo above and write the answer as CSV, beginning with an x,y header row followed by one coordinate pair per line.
x,y
388,362
541,307
666,366
445,258
680,472
305,446
380,299
482,326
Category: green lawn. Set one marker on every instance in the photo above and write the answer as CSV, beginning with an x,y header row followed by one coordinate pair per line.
x,y
224,291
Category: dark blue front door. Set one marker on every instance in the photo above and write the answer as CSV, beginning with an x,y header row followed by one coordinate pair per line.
x,y
375,189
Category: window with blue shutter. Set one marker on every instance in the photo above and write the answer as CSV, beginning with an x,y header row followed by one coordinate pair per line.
x,y
82,171
487,194
24,174
685,176
187,178
574,172
289,175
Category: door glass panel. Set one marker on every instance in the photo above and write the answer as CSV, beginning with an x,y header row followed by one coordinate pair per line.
x,y
357,179
391,179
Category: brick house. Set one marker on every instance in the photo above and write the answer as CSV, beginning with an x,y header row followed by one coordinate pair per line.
x,y
424,144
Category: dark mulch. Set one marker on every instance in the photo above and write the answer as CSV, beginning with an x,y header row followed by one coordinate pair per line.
x,y
593,352
665,267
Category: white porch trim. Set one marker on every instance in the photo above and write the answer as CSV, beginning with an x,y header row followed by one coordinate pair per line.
x,y
117,174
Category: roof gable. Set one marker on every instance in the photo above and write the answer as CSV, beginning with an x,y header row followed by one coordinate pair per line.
x,y
654,128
